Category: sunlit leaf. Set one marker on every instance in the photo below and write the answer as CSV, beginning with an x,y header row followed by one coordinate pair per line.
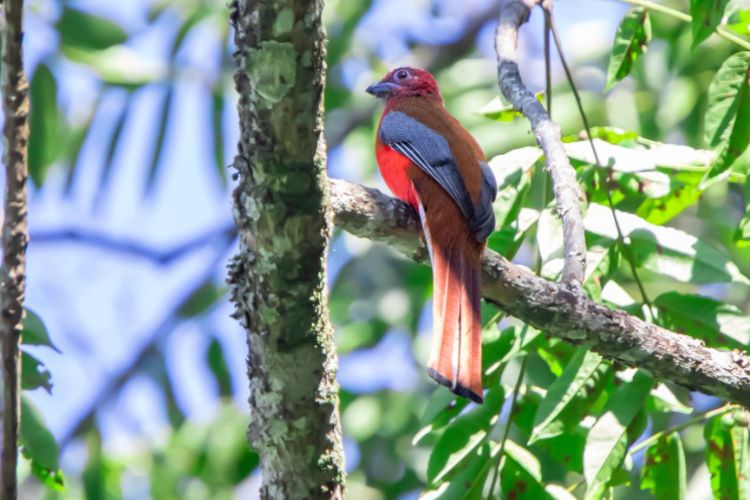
x,y
665,250
464,435
44,124
499,110
633,35
663,472
706,17
78,28
704,318
727,458
581,376
727,128
607,440
739,21
663,399
118,65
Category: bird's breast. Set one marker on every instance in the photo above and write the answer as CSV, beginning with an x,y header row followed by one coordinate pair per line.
x,y
394,169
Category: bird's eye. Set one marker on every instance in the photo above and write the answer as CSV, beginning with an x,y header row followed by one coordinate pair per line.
x,y
401,75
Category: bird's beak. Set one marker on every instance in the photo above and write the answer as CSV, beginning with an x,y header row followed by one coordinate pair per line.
x,y
381,89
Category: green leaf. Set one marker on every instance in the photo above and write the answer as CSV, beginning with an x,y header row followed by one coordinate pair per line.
x,y
665,250
217,128
742,234
706,16
464,435
579,377
34,374
467,479
739,22
663,473
201,300
218,366
727,458
44,123
727,128
34,332
81,29
118,65
633,35
39,446
607,440
102,477
521,477
704,318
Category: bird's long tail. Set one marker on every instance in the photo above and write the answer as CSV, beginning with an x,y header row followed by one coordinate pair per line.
x,y
456,356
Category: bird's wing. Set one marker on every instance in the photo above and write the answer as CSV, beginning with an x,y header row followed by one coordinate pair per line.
x,y
431,152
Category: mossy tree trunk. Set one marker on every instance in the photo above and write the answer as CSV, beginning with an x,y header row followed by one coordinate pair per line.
x,y
278,278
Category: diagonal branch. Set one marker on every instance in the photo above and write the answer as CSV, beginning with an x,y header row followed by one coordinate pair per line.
x,y
514,13
557,308
15,231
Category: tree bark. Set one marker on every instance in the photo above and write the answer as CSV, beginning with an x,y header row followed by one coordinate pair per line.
x,y
15,232
278,278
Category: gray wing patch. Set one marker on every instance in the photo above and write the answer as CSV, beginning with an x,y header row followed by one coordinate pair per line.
x,y
430,152
483,221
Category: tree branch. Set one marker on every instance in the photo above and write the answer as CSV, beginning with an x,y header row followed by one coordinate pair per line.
x,y
513,13
560,309
15,231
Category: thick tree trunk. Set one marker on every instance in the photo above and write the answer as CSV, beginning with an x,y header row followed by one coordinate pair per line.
x,y
278,278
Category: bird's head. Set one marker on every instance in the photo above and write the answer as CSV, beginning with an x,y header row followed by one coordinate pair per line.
x,y
405,82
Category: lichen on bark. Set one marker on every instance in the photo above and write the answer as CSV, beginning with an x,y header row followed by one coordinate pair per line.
x,y
278,277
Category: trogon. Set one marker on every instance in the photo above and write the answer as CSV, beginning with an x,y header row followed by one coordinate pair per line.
x,y
431,162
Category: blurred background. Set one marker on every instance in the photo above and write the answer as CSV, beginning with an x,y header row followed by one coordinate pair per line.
x,y
134,126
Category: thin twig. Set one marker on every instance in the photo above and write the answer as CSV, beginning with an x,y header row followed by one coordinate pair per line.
x,y
513,13
676,428
15,231
549,20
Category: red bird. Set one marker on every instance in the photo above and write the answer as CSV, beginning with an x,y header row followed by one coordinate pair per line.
x,y
432,163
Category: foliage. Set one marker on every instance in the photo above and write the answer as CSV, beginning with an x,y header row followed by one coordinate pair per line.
x,y
576,428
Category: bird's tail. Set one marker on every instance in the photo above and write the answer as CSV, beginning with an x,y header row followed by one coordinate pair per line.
x,y
456,357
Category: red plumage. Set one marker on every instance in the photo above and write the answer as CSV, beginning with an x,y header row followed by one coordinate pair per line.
x,y
430,161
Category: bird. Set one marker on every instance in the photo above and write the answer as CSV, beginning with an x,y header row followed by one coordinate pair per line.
x,y
428,160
